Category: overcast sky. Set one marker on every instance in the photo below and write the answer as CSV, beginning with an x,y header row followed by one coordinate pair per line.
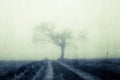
x,y
99,19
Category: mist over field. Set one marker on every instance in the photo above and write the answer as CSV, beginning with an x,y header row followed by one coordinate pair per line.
x,y
99,20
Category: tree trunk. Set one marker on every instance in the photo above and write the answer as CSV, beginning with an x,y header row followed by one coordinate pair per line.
x,y
62,52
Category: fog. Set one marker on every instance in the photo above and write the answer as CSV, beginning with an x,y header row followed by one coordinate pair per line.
x,y
99,19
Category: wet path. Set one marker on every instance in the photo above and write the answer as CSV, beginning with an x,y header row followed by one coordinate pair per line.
x,y
49,72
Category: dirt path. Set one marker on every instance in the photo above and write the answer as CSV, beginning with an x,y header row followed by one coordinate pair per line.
x,y
49,72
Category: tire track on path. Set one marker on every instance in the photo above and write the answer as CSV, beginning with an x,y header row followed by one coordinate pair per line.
x,y
84,75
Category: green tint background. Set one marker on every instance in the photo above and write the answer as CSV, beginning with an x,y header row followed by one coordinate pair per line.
x,y
100,19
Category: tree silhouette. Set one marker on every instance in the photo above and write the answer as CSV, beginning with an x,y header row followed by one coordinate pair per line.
x,y
83,36
46,33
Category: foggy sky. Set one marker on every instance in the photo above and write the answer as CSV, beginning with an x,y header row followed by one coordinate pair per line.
x,y
99,19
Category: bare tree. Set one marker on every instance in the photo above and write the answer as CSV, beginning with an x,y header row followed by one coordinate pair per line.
x,y
46,33
83,36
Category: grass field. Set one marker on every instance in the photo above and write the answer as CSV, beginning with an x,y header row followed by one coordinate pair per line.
x,y
67,69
